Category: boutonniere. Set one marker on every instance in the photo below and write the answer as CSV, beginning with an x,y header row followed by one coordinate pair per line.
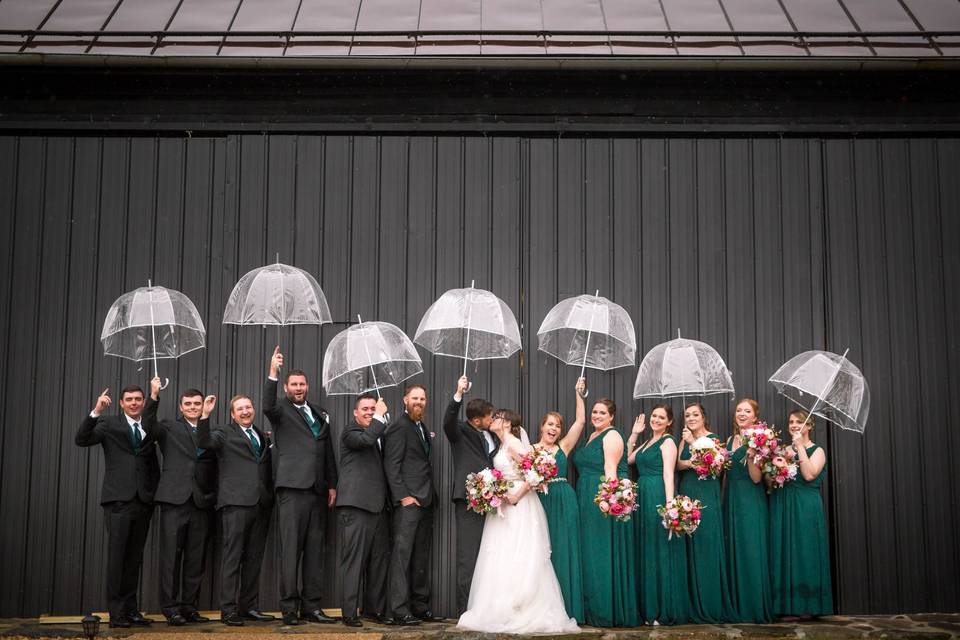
x,y
324,417
433,435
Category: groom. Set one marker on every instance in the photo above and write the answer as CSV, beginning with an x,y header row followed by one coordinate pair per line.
x,y
473,449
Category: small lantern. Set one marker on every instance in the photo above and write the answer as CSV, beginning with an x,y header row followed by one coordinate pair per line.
x,y
91,626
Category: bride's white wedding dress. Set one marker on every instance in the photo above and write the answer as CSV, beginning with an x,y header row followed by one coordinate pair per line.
x,y
514,588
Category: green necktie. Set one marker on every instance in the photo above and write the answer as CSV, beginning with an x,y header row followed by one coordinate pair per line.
x,y
253,441
310,421
425,438
199,450
136,437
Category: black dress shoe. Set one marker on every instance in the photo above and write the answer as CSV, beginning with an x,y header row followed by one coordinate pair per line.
x,y
291,619
138,620
427,616
378,618
387,620
176,620
317,615
120,622
194,616
232,620
259,616
407,620
352,622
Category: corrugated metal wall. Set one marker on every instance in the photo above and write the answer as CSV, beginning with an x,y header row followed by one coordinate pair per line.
x,y
761,247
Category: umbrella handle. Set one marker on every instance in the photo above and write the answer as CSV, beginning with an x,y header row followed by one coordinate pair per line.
x,y
166,383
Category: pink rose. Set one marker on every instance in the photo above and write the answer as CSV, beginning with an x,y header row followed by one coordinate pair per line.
x,y
696,514
495,502
604,506
673,513
708,458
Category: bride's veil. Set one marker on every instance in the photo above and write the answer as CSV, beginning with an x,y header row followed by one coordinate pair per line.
x,y
524,438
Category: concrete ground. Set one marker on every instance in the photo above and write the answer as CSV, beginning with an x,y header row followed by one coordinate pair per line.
x,y
929,626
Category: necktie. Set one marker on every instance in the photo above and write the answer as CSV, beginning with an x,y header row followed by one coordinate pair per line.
x,y
424,438
253,441
136,437
199,450
310,421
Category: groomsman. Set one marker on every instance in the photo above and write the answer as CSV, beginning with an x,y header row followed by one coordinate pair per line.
x,y
406,463
244,500
129,482
473,449
306,481
362,512
186,494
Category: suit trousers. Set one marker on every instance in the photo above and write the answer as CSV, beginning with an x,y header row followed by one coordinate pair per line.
x,y
128,522
244,538
364,541
302,522
469,534
409,577
184,531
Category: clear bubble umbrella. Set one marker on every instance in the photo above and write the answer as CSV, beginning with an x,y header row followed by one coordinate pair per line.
x,y
680,368
826,385
279,295
470,323
369,356
152,323
589,331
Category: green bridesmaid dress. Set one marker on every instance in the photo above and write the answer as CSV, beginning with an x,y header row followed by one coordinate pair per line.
x,y
799,550
661,563
609,590
706,555
563,518
746,523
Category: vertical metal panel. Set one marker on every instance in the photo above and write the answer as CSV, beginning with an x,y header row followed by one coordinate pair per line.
x,y
946,160
762,247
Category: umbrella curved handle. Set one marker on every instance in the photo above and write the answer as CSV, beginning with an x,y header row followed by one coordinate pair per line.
x,y
585,393
166,383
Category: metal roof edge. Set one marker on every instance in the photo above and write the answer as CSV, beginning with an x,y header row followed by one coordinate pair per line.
x,y
480,63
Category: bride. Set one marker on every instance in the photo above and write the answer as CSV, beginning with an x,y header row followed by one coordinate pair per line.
x,y
514,588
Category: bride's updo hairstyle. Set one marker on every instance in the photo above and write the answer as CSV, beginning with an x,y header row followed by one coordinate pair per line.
x,y
511,416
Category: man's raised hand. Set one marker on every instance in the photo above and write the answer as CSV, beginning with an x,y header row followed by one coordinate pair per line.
x,y
463,385
276,362
103,401
208,405
155,386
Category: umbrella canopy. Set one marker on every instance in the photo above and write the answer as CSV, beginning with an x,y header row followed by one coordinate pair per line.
x,y
368,357
589,331
469,323
277,294
827,385
152,323
682,367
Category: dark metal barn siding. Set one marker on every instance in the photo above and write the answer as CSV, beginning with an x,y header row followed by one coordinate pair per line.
x,y
762,247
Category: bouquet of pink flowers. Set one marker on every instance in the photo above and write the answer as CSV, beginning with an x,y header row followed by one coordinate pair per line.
x,y
709,457
763,440
780,469
486,490
617,498
537,467
680,516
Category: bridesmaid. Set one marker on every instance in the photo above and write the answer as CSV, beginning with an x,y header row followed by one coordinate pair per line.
x,y
746,523
799,551
609,591
706,556
662,563
560,504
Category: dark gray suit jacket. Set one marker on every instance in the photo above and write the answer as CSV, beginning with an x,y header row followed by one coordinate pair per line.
x,y
301,461
406,464
244,479
362,483
469,449
126,474
184,475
